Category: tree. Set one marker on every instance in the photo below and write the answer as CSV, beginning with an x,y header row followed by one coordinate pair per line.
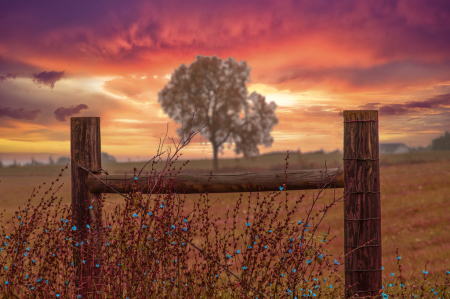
x,y
217,91
441,143
108,158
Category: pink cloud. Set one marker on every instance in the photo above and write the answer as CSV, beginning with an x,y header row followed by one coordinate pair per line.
x,y
20,113
61,114
8,76
48,78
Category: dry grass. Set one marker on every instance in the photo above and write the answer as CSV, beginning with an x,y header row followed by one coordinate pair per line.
x,y
415,201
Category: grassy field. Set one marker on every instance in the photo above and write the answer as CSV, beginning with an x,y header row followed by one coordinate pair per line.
x,y
415,200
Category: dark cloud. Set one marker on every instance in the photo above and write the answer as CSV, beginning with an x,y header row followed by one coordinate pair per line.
x,y
393,75
8,76
394,109
48,78
20,113
61,114
436,102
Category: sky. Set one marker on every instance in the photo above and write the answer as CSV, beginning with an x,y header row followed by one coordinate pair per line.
x,y
314,59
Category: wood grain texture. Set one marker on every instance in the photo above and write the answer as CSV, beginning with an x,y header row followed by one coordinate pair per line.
x,y
361,178
222,183
84,150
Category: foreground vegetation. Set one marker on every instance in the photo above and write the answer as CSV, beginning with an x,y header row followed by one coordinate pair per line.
x,y
418,192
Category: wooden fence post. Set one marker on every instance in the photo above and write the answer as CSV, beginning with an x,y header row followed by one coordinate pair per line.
x,y
85,151
362,209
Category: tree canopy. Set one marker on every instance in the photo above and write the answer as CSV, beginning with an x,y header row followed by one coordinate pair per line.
x,y
217,91
441,143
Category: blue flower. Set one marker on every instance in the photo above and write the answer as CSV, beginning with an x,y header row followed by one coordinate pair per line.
x,y
7,237
135,178
184,220
161,206
185,229
144,226
150,213
425,272
97,265
74,228
90,208
309,261
238,251
228,256
398,257
336,262
299,222
293,270
392,274
134,215
88,226
248,224
6,282
281,188
173,226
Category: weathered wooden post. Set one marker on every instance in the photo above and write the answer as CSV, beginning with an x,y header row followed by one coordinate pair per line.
x,y
362,208
85,151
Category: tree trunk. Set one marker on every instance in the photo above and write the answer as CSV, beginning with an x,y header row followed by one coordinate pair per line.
x,y
216,159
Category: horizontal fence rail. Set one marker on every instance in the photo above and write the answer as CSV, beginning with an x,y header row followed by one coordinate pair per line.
x,y
222,182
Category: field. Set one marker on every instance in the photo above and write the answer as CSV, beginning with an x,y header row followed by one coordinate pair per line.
x,y
415,200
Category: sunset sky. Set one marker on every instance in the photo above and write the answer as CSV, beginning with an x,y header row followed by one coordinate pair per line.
x,y
314,59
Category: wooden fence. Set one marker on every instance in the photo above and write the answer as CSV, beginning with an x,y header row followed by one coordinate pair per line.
x,y
360,179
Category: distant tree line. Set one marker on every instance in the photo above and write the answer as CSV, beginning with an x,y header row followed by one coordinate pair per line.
x,y
442,143
106,158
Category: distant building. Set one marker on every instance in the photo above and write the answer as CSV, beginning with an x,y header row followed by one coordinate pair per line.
x,y
394,148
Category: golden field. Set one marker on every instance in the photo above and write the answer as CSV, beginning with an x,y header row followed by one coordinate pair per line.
x,y
415,200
